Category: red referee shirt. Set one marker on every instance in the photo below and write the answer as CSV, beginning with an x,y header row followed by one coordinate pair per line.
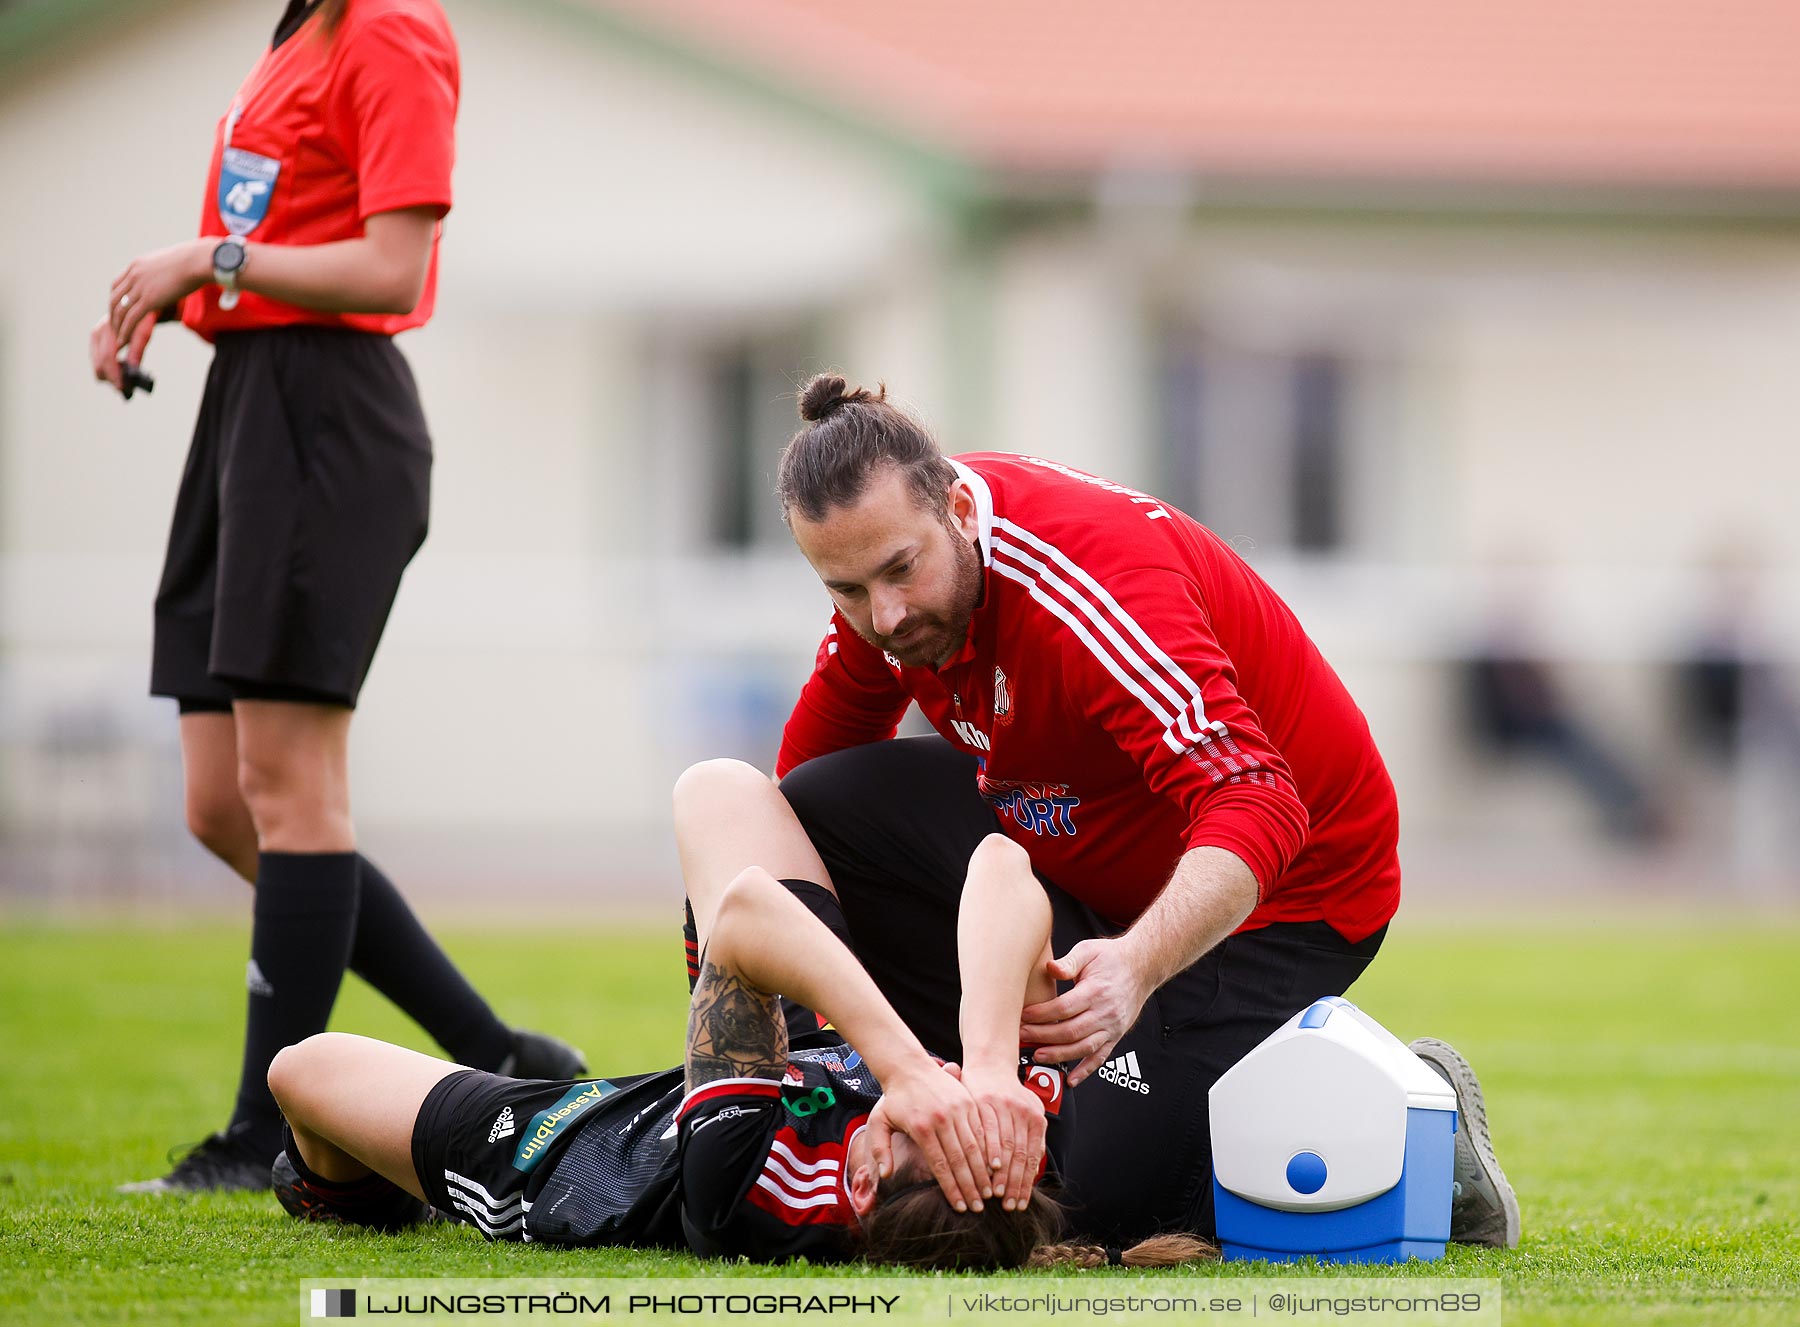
x,y
322,135
1134,690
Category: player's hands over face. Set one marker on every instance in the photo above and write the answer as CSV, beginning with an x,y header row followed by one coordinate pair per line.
x,y
153,281
1012,1126
1086,1021
936,1111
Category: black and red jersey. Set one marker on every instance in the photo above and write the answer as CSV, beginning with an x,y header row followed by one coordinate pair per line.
x,y
1133,690
763,1171
764,1164
739,1167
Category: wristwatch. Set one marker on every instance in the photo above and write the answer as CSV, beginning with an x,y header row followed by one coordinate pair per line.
x,y
228,264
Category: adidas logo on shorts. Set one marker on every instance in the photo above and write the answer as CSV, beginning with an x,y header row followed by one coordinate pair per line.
x,y
1123,1072
503,1125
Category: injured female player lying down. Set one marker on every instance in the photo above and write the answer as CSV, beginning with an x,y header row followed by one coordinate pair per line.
x,y
832,1135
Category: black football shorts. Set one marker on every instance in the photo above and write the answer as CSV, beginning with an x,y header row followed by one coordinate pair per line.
x,y
306,493
486,1149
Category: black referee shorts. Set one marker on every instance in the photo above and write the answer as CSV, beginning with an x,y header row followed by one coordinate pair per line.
x,y
306,493
896,823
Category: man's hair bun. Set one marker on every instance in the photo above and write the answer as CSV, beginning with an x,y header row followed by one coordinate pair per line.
x,y
828,463
827,392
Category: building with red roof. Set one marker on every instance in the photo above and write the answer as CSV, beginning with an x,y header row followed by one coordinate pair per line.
x,y
1447,315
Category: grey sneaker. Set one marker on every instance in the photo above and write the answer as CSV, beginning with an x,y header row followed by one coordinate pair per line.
x,y
537,1055
1484,1209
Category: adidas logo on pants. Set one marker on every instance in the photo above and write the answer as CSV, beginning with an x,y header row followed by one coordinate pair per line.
x,y
1123,1072
503,1126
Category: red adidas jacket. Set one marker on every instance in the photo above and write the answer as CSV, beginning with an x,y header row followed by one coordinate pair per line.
x,y
1134,690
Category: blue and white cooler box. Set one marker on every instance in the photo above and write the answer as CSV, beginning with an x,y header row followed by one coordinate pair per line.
x,y
1332,1140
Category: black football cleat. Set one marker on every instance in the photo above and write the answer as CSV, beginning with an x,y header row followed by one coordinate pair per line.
x,y
538,1055
373,1201
298,1198
224,1162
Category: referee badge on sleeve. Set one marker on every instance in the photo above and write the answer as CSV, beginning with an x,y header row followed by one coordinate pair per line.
x,y
246,182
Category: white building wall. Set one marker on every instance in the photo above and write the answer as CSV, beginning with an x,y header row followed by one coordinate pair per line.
x,y
1070,376
1603,402
1574,418
526,709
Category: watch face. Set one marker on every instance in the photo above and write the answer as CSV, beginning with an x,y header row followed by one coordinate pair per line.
x,y
228,256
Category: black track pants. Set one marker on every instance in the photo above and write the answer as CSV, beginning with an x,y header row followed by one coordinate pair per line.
x,y
896,823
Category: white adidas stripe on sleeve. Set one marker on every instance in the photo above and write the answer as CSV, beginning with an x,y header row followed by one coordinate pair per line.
x,y
1101,595
1043,575
775,1170
787,1199
1127,680
787,1154
1059,584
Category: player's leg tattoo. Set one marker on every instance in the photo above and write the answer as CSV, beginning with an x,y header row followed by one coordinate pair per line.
x,y
734,1029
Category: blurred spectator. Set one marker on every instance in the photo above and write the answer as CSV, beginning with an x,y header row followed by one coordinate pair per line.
x,y
1736,705
1731,693
1519,708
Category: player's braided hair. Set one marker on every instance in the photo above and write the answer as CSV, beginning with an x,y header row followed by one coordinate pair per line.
x,y
1170,1250
913,1226
848,435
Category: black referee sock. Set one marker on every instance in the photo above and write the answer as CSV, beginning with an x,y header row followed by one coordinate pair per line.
x,y
395,954
305,914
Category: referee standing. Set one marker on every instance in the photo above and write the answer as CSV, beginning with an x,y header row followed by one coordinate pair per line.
x,y
305,495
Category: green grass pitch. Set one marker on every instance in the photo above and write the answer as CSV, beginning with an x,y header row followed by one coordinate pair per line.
x,y
1643,1083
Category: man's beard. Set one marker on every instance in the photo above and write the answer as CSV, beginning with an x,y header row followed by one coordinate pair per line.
x,y
935,637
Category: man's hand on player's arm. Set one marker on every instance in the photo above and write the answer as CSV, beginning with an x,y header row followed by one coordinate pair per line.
x,y
1002,942
767,936
1209,894
1085,1022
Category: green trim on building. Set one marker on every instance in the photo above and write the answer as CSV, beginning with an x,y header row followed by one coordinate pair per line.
x,y
30,28
961,186
967,330
1583,209
942,176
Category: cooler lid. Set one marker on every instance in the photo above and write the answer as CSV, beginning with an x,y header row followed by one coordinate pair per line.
x,y
1424,1089
1314,1118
